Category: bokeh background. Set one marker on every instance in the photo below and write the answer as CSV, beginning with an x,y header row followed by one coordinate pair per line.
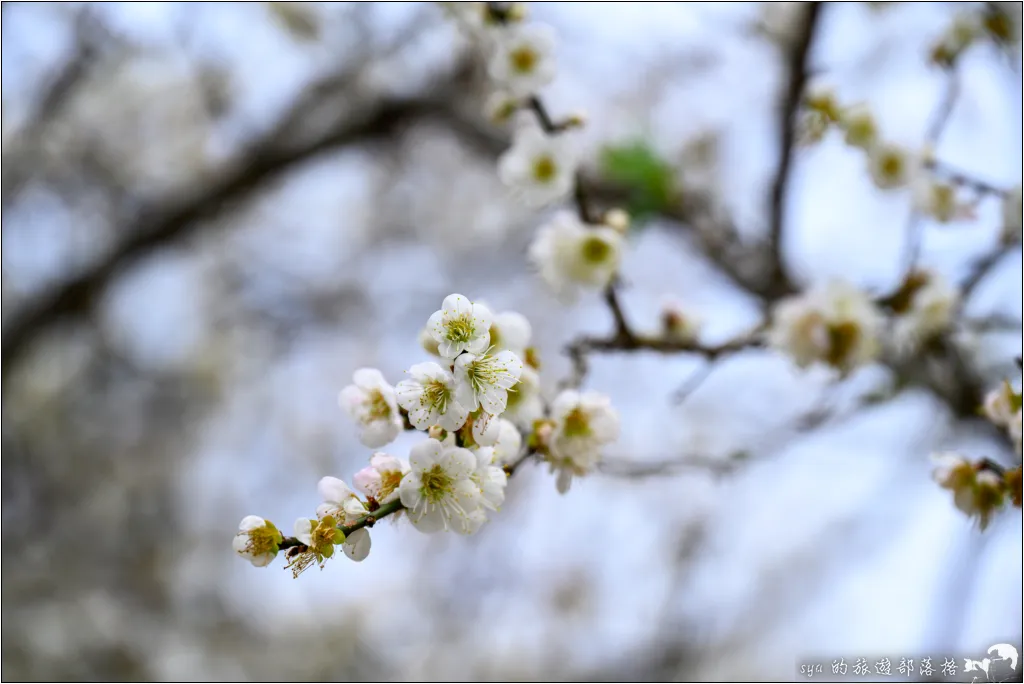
x,y
240,204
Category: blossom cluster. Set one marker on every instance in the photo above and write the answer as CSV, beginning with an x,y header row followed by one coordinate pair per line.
x,y
981,488
890,166
474,400
839,325
570,252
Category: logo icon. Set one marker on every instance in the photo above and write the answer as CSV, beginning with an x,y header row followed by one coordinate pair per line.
x,y
1000,667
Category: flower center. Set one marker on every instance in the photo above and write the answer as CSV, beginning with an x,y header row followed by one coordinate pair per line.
x,y
377,406
892,165
577,423
460,328
263,540
544,168
389,481
436,396
484,372
594,250
436,483
326,534
842,338
523,59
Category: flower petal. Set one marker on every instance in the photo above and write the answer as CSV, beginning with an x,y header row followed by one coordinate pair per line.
x,y
332,489
427,521
357,545
409,491
425,454
369,378
456,305
251,522
458,463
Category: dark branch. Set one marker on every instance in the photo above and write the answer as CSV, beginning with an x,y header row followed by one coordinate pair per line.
x,y
178,218
797,69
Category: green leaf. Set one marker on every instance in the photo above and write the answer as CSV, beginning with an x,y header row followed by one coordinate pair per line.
x,y
648,179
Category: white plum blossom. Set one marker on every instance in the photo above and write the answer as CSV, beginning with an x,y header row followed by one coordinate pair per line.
x,y
539,168
525,404
582,424
257,540
370,401
509,442
571,256
523,59
438,490
836,324
510,330
429,397
460,325
890,166
859,127
977,492
486,427
490,477
484,380
1001,404
319,536
1013,208
341,503
427,341
939,200
381,478
357,544
925,307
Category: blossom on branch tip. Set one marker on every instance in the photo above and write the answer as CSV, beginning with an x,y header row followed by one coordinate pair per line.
x,y
538,168
859,127
257,540
891,166
570,255
370,401
582,424
460,325
836,324
429,397
437,490
484,380
523,59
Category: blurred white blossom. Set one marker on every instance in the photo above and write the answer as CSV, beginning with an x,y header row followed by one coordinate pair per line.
x,y
571,256
538,168
371,402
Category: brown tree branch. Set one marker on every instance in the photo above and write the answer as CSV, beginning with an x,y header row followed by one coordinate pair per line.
x,y
176,218
778,281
